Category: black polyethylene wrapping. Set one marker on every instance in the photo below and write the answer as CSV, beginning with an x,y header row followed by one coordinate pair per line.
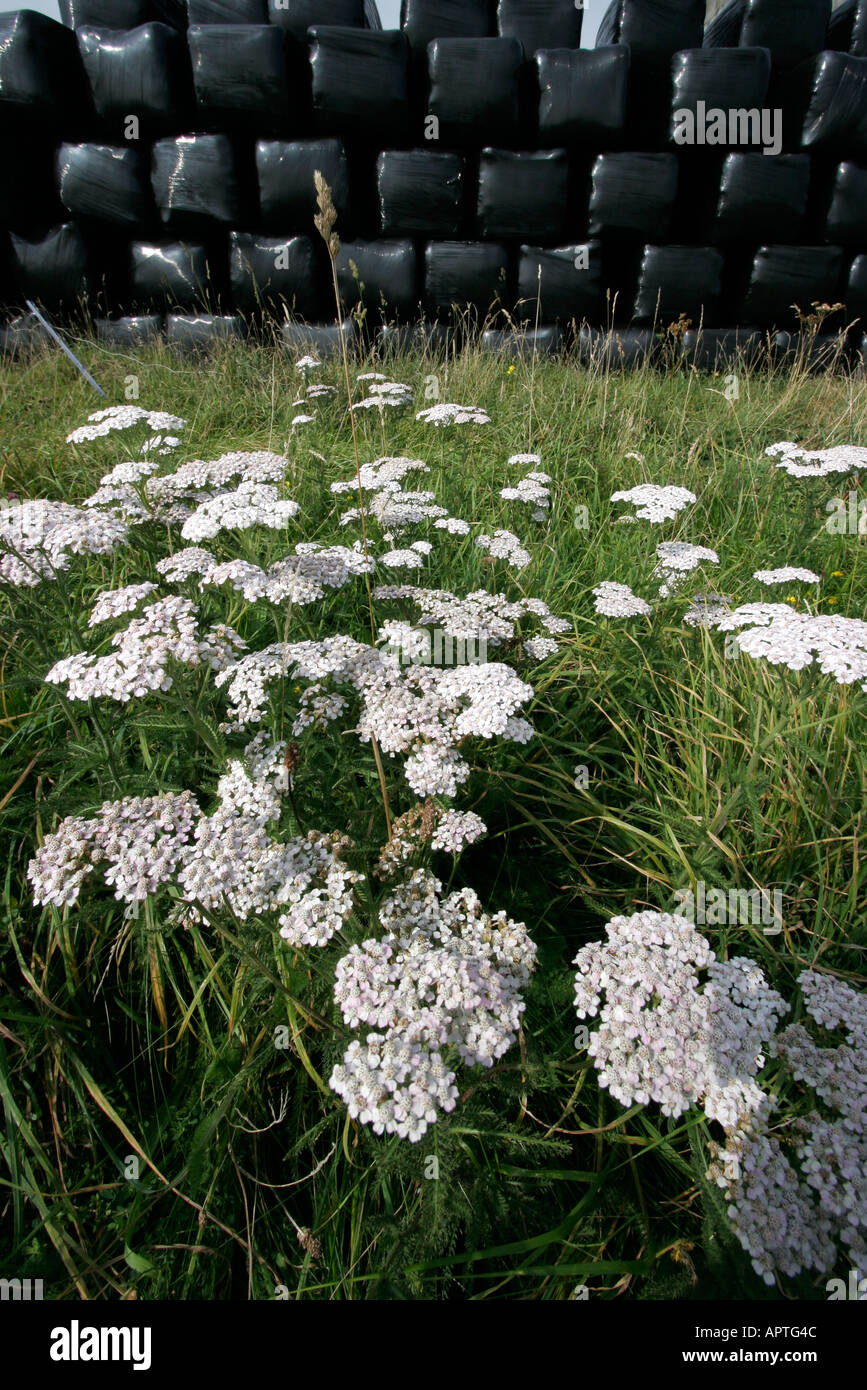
x,y
855,297
274,270
195,177
28,183
709,349
416,337
227,11
287,195
785,275
360,83
633,195
583,95
173,273
846,223
111,14
661,27
52,270
421,192
566,281
141,72
793,30
474,90
299,15
858,43
465,273
841,26
609,25
836,119
133,330
622,348
106,182
540,23
723,78
679,280
201,332
530,342
385,279
523,194
321,339
41,82
762,198
424,20
724,30
241,76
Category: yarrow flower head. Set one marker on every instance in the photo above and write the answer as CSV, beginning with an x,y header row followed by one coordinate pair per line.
x,y
38,537
618,601
677,559
656,503
775,633
123,417
789,574
818,463
503,545
449,414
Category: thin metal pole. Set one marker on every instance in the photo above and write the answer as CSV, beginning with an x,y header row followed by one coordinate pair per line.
x,y
57,338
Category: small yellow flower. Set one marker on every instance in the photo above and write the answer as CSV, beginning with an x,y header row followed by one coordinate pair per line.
x,y
832,601
791,599
511,369
837,574
297,689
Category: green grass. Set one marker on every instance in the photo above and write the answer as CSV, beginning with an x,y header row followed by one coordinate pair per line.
x,y
126,1040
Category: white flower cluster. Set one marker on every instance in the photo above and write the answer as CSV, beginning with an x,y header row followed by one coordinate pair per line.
x,y
111,603
129,472
503,545
382,393
446,976
251,504
317,392
122,417
817,463
428,824
302,578
186,563
38,537
411,559
707,610
303,420
395,509
655,503
541,647
260,466
161,444
457,829
838,645
618,601
454,525
307,364
447,413
480,616
679,558
531,489
525,458
789,574
381,475
339,658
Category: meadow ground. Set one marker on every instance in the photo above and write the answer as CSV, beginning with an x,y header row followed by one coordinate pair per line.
x,y
170,1130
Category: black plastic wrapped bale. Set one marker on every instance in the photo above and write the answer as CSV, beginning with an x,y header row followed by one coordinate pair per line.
x,y
846,222
820,352
172,273
523,194
609,25
618,349
194,178
23,336
107,183
465,274
274,270
565,280
712,349
855,296
858,42
112,14
42,86
141,73
522,343
762,199
360,83
679,281
28,183
711,82
417,337
633,195
836,119
131,331
793,30
196,333
53,270
319,339
243,78
298,15
724,30
287,195
227,11
583,95
783,276
421,193
540,23
425,20
661,27
841,26
475,93
384,280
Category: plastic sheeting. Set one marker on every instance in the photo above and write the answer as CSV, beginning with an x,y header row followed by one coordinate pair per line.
x,y
540,23
287,196
106,182
836,119
241,75
846,223
460,273
112,14
131,331
583,95
385,279
52,270
633,195
23,336
194,177
264,270
793,31
841,26
785,275
227,11
203,332
855,297
619,348
858,43
421,192
28,194
360,82
679,280
653,27
174,273
41,82
417,337
298,15
530,342
475,91
424,20
724,30
762,199
566,281
710,349
141,72
523,194
722,78
321,339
